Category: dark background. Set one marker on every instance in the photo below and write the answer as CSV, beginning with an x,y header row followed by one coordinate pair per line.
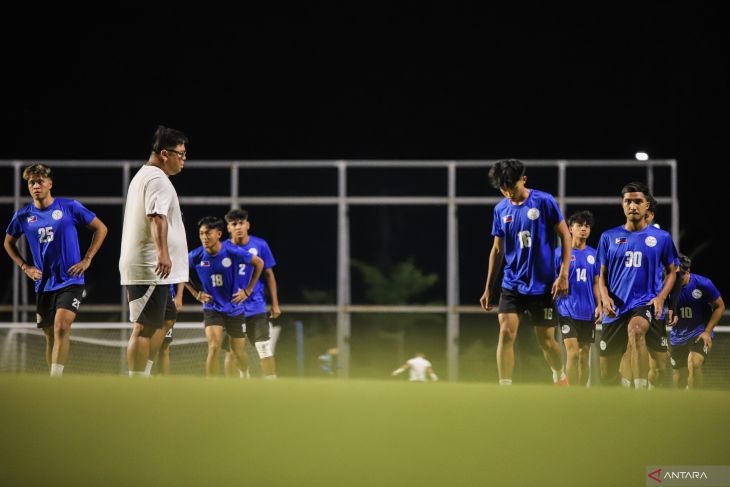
x,y
411,82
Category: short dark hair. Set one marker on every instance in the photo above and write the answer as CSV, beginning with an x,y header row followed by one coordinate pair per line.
x,y
37,169
636,187
234,215
581,218
652,204
506,173
212,222
684,263
167,138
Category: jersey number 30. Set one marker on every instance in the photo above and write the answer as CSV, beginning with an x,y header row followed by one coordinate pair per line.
x,y
633,259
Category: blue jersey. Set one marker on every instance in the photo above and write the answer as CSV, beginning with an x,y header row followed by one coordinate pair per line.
x,y
217,274
256,303
580,303
693,308
528,232
633,261
53,240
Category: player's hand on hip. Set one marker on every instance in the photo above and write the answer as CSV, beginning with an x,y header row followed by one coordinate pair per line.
x,y
79,268
484,300
239,296
275,312
33,273
202,297
163,268
706,339
609,308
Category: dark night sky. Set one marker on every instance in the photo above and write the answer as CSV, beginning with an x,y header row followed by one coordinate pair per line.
x,y
408,83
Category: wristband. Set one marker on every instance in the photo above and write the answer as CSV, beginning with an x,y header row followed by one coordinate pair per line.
x,y
246,293
23,266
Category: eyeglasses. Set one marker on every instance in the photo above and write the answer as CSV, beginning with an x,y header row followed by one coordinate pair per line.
x,y
180,154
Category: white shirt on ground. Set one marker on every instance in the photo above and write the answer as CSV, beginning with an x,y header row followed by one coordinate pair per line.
x,y
151,192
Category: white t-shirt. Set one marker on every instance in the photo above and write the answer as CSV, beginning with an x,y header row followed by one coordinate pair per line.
x,y
151,192
419,367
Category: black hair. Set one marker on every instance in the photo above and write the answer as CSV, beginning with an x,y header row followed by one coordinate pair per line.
x,y
212,222
506,173
684,263
581,218
167,138
37,169
636,187
652,204
234,215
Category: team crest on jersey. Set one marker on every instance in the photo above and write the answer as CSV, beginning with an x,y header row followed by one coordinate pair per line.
x,y
226,262
565,329
253,251
533,213
507,219
32,219
591,259
621,240
697,294
57,215
650,241
204,263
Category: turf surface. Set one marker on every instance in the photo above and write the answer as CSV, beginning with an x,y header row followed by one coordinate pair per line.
x,y
107,430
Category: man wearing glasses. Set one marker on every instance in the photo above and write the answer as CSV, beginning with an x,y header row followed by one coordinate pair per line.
x,y
154,248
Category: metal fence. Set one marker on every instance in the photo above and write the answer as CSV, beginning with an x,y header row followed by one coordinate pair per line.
x,y
20,306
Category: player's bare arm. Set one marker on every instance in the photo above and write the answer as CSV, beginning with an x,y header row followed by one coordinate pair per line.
x,y
273,292
718,308
658,301
609,308
159,235
11,248
560,286
198,295
496,256
100,232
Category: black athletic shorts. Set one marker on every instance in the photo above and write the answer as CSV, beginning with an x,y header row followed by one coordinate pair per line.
x,y
150,304
258,328
615,336
680,353
536,309
656,336
46,304
583,330
234,325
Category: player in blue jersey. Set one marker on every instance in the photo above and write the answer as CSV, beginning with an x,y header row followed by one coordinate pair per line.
x,y
258,327
580,310
49,225
524,229
631,255
214,267
698,310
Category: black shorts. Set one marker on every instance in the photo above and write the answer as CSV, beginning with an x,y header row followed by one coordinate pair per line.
x,y
656,336
150,304
583,330
46,304
615,336
258,328
680,353
234,325
537,309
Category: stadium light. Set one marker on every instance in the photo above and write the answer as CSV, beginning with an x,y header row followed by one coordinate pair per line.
x,y
642,156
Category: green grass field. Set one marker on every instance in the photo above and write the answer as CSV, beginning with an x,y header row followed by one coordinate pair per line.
x,y
107,430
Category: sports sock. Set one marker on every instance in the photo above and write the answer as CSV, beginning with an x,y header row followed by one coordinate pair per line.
x,y
56,370
641,383
558,374
625,383
505,382
148,368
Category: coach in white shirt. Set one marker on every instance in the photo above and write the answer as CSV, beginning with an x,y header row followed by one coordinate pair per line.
x,y
154,247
